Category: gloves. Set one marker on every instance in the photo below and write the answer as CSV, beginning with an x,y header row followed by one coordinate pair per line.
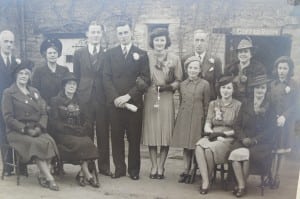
x,y
34,132
167,87
247,142
213,136
141,84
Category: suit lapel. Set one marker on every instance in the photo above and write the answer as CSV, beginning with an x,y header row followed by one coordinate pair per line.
x,y
205,64
86,57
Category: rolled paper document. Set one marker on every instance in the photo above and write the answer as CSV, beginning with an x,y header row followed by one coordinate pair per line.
x,y
131,107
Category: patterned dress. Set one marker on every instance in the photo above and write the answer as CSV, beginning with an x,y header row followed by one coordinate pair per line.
x,y
159,113
227,122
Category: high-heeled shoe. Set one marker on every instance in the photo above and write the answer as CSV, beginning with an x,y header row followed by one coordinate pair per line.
x,y
204,191
182,177
93,182
80,180
161,176
240,192
52,185
153,176
235,189
42,181
275,183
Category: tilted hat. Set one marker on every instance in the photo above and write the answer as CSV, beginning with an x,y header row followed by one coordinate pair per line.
x,y
258,80
190,60
68,77
226,79
51,42
245,43
20,65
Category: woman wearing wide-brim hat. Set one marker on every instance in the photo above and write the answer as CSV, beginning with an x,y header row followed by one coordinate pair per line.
x,y
252,150
245,68
69,128
47,78
25,116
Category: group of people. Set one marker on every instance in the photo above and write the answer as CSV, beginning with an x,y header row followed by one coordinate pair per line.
x,y
241,116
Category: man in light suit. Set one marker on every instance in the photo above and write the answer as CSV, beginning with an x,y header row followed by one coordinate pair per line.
x,y
88,68
211,66
126,77
7,40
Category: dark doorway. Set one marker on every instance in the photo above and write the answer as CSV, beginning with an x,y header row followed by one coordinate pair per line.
x,y
268,48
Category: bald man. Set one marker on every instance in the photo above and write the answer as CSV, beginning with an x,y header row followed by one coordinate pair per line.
x,y
211,65
7,40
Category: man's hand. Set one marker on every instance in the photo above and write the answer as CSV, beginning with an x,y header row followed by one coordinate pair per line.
x,y
120,101
280,121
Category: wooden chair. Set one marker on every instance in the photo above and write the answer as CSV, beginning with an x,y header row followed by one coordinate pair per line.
x,y
15,162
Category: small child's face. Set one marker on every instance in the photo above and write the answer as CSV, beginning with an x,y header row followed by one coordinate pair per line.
x,y
193,70
283,70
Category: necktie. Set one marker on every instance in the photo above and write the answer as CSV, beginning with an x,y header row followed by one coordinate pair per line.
x,y
200,58
125,51
7,61
94,50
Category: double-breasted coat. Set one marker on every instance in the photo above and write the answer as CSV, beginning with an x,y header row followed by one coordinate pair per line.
x,y
47,82
211,68
20,111
195,96
285,100
68,127
120,78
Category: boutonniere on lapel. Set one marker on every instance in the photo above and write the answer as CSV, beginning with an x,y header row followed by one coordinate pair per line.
x,y
36,96
18,61
287,89
135,56
212,62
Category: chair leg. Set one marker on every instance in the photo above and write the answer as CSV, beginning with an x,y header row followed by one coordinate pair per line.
x,y
262,186
3,161
17,163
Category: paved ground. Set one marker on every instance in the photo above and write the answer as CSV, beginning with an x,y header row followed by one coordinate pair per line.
x,y
145,187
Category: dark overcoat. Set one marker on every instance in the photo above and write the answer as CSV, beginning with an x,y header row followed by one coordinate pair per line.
x,y
258,126
68,126
47,82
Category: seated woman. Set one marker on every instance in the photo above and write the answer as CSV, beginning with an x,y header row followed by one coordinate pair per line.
x,y
254,141
219,127
68,128
24,113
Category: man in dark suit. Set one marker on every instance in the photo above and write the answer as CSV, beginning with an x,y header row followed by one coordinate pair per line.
x,y
88,68
7,40
211,66
126,77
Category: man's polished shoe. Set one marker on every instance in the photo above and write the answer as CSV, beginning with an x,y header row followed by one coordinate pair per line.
x,y
105,172
134,177
118,175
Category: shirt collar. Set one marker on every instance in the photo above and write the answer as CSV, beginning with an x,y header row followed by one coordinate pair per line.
x,y
128,46
4,56
202,55
91,48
